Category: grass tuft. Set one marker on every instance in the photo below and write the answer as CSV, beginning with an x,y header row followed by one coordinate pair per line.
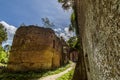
x,y
67,76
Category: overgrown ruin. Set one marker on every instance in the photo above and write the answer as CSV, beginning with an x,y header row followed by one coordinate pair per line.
x,y
35,48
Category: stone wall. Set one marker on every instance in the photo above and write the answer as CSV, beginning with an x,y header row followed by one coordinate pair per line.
x,y
99,26
35,48
73,56
65,52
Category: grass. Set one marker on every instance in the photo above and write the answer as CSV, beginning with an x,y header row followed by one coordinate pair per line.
x,y
5,75
3,55
67,76
1,64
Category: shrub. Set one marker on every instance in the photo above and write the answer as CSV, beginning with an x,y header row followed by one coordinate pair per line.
x,y
3,56
67,76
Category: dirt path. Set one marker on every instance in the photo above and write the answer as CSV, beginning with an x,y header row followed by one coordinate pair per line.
x,y
54,77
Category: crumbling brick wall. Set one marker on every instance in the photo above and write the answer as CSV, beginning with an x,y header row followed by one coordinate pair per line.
x,y
35,48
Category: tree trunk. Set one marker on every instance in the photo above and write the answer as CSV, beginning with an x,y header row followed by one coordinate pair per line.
x,y
98,26
80,70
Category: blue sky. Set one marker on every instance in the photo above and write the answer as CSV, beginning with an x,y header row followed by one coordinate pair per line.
x,y
16,12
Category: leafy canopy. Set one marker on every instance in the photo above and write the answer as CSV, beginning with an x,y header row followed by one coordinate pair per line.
x,y
3,55
47,23
3,34
66,4
73,42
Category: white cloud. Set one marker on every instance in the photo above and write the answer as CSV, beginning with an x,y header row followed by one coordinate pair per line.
x,y
64,36
66,30
10,31
67,34
57,30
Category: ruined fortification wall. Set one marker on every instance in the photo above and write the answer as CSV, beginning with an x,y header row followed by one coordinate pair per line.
x,y
34,48
99,26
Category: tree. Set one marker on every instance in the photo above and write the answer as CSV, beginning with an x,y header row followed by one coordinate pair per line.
x,y
7,48
73,42
47,23
73,26
80,70
66,4
3,55
3,34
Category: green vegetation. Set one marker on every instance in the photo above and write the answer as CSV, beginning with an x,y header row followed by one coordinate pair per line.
x,y
30,74
73,44
3,34
67,76
3,37
47,23
3,56
66,4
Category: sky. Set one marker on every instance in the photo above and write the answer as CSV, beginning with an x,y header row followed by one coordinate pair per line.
x,y
13,13
16,12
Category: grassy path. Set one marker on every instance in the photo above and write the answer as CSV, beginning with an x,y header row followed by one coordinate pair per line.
x,y
55,76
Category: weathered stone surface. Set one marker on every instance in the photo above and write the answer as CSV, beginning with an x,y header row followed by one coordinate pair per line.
x,y
65,51
99,26
74,56
35,48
